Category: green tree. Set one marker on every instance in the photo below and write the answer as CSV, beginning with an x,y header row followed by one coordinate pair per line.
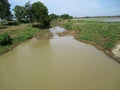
x,y
28,13
66,16
40,14
5,13
53,16
20,13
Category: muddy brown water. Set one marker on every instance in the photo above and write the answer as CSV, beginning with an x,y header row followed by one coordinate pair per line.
x,y
61,63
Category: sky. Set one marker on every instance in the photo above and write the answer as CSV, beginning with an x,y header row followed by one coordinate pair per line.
x,y
77,8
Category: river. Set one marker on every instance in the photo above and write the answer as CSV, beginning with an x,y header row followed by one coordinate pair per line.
x,y
61,63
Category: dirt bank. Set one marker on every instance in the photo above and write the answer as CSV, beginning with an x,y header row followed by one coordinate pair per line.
x,y
43,34
116,51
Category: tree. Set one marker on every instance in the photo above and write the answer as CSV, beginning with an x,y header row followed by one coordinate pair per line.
x,y
20,13
5,13
53,16
40,14
28,13
23,13
66,16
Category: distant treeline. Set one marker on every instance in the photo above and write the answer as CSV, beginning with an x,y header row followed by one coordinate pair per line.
x,y
99,16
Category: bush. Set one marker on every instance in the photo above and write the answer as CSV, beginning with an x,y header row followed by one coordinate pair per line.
x,y
12,23
5,39
36,25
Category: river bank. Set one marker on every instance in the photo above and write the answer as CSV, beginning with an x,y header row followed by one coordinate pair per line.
x,y
21,33
103,35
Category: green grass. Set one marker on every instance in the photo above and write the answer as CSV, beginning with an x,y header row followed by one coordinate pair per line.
x,y
104,34
27,33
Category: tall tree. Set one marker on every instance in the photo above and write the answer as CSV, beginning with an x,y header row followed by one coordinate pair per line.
x,y
28,13
23,13
40,14
20,13
5,13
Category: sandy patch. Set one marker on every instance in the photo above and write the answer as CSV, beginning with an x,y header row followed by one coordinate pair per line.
x,y
116,51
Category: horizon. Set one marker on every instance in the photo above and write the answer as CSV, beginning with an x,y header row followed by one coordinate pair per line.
x,y
77,8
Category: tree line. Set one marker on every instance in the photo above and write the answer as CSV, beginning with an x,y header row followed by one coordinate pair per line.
x,y
29,13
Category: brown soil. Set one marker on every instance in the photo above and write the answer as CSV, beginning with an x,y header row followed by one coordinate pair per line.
x,y
43,34
73,33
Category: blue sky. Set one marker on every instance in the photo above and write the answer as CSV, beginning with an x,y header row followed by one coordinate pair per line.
x,y
78,7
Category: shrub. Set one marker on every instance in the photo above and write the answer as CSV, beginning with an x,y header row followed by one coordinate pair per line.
x,y
12,23
36,25
5,39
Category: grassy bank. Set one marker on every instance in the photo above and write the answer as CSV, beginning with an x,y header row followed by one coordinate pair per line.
x,y
104,34
20,33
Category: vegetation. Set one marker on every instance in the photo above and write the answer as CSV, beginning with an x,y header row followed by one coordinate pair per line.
x,y
104,34
5,39
27,33
20,13
53,17
66,16
13,22
40,14
28,13
23,13
36,12
5,13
